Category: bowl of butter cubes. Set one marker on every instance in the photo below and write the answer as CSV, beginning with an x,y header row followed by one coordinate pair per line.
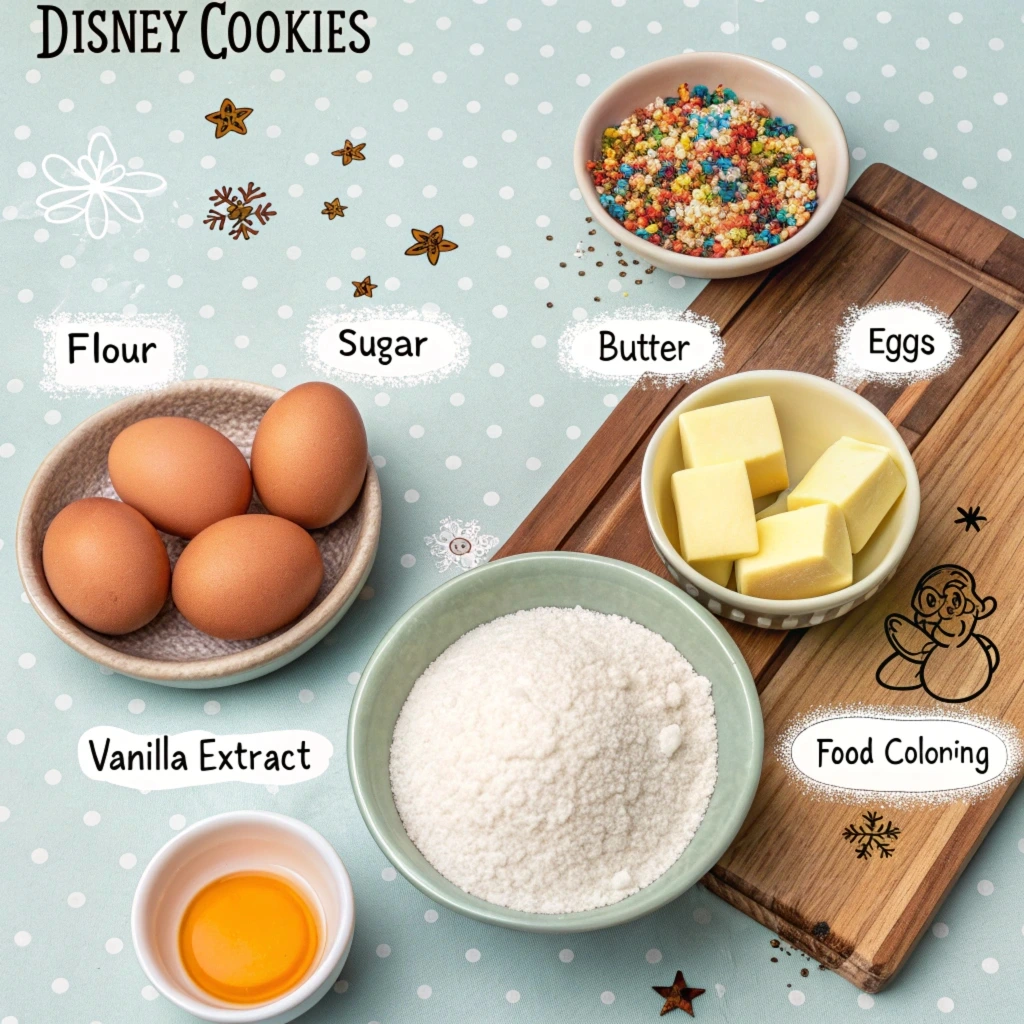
x,y
779,499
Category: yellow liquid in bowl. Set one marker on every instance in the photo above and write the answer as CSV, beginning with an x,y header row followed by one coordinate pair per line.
x,y
248,937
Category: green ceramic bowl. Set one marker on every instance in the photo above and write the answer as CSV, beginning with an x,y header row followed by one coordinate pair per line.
x,y
563,579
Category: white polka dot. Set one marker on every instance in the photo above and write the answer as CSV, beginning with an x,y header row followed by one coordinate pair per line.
x,y
357,253
959,71
212,707
849,43
416,431
52,777
853,97
32,76
358,133
113,946
364,76
278,370
382,398
811,17
63,702
778,43
174,281
453,462
921,43
148,992
396,160
969,182
439,78
127,861
457,398
284,312
176,136
500,311
76,900
544,107
1000,99
566,956
26,169
306,696
473,106
617,52
186,77
796,997
945,1004
985,887
295,191
412,496
964,126
538,341
503,251
511,78
542,221
65,106
926,97
929,153
1004,154
653,956
891,125
136,706
91,818
241,341
536,401
702,915
995,44
512,996
494,431
814,71
392,284
424,991
574,194
1009,212
473,955
208,162
40,856
607,998
10,213
353,678
476,49
60,985
176,822
23,939
429,191
573,433
6,451
888,71
407,561
207,311
990,965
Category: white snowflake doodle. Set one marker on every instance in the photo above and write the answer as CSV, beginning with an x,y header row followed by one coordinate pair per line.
x,y
94,187
459,545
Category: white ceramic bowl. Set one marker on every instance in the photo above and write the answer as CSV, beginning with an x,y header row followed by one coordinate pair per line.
x,y
784,94
813,413
217,846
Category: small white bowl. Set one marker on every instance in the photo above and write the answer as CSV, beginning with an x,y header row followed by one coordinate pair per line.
x,y
813,413
785,95
221,845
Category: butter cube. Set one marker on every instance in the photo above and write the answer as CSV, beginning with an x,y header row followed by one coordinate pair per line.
x,y
805,553
715,513
862,479
745,430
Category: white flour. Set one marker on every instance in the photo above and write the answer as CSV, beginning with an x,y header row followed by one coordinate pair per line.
x,y
555,760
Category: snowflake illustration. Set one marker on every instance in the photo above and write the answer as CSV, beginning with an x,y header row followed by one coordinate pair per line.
x,y
872,835
459,545
239,210
94,188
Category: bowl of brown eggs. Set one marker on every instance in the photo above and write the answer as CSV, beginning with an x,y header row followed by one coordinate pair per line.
x,y
204,534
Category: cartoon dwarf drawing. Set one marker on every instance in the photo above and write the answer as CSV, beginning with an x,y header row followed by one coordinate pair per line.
x,y
940,649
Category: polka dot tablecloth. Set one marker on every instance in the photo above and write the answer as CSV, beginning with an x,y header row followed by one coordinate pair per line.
x,y
467,111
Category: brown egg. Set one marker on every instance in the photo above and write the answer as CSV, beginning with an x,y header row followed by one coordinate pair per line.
x,y
182,475
309,455
247,576
106,565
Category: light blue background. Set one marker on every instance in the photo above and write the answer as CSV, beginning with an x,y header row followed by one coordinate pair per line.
x,y
877,71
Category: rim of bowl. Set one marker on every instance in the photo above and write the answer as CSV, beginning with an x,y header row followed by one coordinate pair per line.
x,y
697,266
802,606
450,895
157,670
328,961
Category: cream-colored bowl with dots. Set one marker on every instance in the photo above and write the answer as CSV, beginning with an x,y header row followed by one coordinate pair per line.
x,y
813,413
785,95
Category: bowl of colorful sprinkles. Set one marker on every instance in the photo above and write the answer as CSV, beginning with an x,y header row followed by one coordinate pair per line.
x,y
711,164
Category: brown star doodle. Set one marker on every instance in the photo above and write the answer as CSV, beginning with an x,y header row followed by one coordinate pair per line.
x,y
229,119
363,288
333,208
348,152
677,996
430,244
239,210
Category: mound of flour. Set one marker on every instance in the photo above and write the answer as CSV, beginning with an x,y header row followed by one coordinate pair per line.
x,y
555,760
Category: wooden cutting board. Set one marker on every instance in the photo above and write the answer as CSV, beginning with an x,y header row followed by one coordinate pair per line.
x,y
893,239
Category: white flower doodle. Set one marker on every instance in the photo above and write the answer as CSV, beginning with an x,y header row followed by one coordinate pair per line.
x,y
459,545
94,186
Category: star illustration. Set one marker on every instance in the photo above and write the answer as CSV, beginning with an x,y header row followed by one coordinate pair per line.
x,y
348,152
333,208
363,288
677,996
229,119
430,244
971,517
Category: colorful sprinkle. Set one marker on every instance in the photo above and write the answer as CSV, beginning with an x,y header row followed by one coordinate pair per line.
x,y
705,173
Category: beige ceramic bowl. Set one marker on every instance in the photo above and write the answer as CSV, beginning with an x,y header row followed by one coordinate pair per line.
x,y
169,650
784,94
812,413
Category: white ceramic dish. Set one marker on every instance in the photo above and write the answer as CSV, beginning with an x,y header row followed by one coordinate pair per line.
x,y
812,413
217,846
785,95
